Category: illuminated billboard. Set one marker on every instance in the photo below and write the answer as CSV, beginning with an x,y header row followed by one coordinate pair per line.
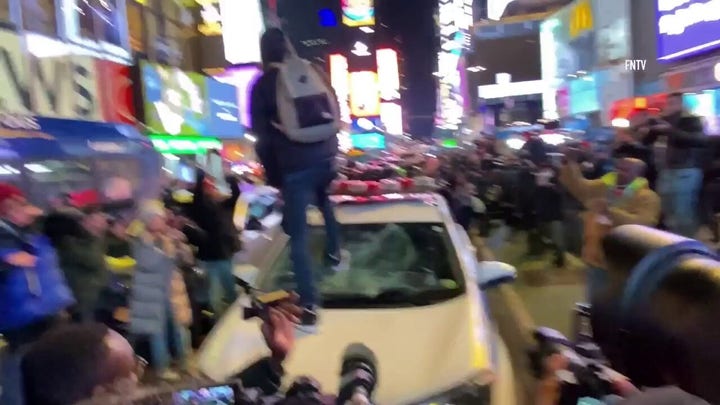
x,y
455,20
242,77
364,94
686,28
174,100
242,27
388,74
358,13
340,80
391,116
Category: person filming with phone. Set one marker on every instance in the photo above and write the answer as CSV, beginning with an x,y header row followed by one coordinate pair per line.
x,y
617,198
680,178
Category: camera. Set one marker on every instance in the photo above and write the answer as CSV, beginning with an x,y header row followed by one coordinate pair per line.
x,y
358,375
587,375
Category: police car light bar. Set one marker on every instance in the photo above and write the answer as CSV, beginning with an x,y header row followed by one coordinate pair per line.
x,y
385,187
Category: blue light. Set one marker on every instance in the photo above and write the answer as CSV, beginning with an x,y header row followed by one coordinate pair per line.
x,y
327,18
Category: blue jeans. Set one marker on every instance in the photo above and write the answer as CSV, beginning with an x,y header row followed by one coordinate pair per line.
x,y
300,190
172,335
221,283
10,377
679,191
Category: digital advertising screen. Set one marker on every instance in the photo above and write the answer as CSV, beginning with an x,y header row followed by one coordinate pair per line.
x,y
223,111
372,140
364,94
705,104
388,74
392,117
686,28
340,80
241,19
243,78
358,13
174,101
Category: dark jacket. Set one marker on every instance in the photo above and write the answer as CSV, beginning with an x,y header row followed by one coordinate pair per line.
x,y
535,151
216,219
640,152
29,295
82,259
277,153
60,223
685,141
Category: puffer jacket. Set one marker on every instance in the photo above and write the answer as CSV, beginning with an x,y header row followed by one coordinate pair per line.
x,y
158,282
29,295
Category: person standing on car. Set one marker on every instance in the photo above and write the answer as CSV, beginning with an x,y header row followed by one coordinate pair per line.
x,y
301,170
680,180
33,291
214,214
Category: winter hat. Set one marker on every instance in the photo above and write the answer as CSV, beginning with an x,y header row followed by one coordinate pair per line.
x,y
9,191
149,209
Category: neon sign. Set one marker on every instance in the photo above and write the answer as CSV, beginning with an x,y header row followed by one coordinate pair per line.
x,y
581,19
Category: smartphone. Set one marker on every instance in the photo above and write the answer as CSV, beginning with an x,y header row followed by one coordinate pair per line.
x,y
583,327
212,395
261,304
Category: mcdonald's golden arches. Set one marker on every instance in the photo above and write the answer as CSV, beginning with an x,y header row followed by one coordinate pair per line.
x,y
581,18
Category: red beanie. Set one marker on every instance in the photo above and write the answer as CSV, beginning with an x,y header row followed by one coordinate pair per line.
x,y
8,191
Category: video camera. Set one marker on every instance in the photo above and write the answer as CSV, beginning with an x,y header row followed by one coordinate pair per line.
x,y
357,383
652,318
358,367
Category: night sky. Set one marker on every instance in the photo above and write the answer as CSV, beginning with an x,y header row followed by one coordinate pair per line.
x,y
413,23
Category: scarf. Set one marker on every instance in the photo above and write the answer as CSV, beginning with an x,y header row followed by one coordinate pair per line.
x,y
620,193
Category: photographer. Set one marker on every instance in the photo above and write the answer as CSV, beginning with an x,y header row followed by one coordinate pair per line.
x,y
105,370
680,179
549,388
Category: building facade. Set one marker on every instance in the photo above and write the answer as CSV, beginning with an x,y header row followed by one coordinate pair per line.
x,y
583,50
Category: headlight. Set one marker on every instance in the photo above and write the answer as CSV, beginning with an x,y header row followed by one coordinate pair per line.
x,y
470,393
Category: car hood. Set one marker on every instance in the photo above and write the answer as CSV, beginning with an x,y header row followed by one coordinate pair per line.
x,y
421,351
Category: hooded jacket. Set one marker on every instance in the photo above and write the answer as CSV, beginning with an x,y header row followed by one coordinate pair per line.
x,y
278,154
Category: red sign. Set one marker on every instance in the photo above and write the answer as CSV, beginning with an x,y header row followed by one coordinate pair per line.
x,y
116,92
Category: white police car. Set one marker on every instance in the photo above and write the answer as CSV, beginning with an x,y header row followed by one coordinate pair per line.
x,y
413,295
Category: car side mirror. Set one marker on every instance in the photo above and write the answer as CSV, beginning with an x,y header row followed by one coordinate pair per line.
x,y
491,274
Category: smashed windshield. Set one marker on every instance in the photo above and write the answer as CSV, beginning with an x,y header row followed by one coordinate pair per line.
x,y
391,264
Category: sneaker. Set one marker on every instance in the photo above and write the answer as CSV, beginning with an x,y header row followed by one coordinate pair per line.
x,y
308,320
341,263
169,375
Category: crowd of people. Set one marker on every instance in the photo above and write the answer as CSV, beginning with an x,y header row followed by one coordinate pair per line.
x,y
133,268
59,269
